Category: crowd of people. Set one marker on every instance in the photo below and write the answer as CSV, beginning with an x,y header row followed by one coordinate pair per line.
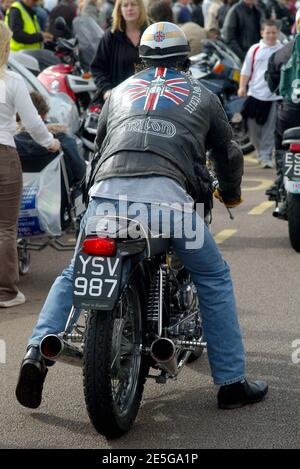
x,y
251,29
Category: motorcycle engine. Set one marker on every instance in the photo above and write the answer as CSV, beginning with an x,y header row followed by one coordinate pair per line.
x,y
185,303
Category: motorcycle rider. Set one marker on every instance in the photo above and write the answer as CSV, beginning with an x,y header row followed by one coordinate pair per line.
x,y
152,137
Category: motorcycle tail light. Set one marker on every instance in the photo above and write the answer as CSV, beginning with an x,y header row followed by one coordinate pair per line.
x,y
99,246
295,147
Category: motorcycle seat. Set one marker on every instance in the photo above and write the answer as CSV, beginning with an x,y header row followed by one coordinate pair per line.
x,y
127,229
158,245
291,136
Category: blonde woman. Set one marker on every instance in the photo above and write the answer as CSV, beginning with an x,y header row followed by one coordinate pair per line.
x,y
118,49
14,97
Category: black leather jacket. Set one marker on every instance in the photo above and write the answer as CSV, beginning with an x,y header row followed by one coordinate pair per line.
x,y
161,122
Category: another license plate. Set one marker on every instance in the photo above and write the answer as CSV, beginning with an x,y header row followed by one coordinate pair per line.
x,y
291,165
96,281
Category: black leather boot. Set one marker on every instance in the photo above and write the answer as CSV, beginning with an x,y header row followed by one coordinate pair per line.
x,y
31,378
236,395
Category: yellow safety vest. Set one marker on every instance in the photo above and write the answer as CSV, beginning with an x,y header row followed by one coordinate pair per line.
x,y
30,26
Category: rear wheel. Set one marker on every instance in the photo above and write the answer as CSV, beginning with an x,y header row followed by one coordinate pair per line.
x,y
294,220
114,368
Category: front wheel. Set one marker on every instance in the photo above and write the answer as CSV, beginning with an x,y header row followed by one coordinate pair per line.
x,y
114,369
293,201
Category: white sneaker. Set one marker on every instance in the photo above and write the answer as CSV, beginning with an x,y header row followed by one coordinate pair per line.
x,y
18,300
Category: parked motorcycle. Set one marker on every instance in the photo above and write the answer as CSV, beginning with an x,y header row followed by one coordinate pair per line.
x,y
218,69
287,196
141,312
71,75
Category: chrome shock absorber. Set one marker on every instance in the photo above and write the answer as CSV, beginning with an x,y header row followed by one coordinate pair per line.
x,y
155,302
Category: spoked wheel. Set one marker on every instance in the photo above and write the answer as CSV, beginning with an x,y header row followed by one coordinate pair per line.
x,y
114,368
23,257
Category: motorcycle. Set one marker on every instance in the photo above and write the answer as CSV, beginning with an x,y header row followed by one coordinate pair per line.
x,y
218,69
287,196
140,312
70,76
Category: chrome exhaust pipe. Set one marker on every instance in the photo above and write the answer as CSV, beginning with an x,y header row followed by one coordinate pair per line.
x,y
52,347
163,351
276,212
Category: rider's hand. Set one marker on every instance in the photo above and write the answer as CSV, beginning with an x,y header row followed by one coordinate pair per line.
x,y
55,146
228,203
47,36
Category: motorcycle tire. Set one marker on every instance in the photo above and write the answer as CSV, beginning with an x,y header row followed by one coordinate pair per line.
x,y
293,201
114,368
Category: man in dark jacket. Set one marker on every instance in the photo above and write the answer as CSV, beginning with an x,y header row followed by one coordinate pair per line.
x,y
153,133
288,113
242,27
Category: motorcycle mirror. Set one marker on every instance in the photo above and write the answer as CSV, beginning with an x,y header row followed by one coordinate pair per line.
x,y
60,23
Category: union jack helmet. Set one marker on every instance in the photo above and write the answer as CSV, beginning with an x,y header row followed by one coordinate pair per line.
x,y
162,40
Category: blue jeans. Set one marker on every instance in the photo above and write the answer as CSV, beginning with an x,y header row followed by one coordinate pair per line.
x,y
211,276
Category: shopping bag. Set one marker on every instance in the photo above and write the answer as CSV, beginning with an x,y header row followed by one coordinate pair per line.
x,y
41,202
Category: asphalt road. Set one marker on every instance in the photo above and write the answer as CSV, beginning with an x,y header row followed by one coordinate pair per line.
x,y
182,413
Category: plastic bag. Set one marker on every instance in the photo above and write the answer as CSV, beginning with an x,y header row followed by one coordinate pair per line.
x,y
41,202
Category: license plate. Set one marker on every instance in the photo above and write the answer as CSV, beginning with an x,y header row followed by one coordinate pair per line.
x,y
291,165
96,281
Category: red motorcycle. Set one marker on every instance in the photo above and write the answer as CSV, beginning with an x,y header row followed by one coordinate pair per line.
x,y
68,76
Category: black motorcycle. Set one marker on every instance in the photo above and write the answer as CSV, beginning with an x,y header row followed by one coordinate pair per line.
x,y
286,191
140,312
